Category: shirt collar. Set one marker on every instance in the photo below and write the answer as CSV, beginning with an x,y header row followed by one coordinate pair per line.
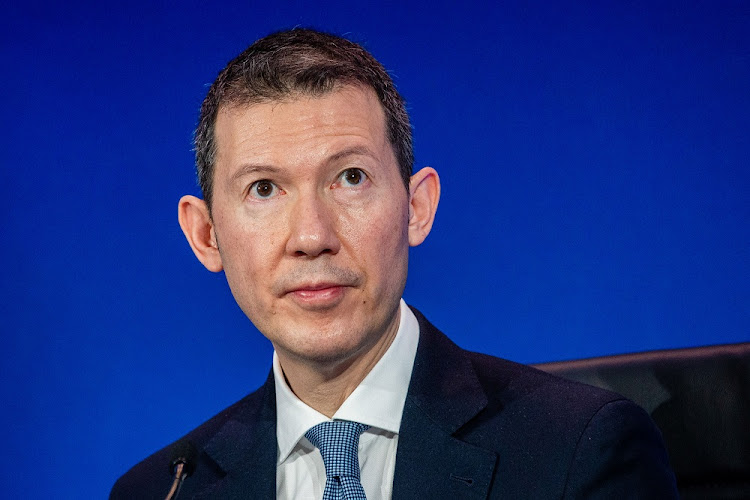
x,y
378,401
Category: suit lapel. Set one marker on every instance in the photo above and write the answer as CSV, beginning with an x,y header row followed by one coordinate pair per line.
x,y
444,395
245,451
431,462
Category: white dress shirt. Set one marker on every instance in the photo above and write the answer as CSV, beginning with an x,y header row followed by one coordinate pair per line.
x,y
378,401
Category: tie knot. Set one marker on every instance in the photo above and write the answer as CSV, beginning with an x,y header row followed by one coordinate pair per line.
x,y
338,442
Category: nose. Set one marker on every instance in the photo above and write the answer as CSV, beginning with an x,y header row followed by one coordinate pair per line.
x,y
313,228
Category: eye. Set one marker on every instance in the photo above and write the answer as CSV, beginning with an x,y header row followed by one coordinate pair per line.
x,y
263,189
352,177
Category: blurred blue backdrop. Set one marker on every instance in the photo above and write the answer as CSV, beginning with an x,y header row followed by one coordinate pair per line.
x,y
594,160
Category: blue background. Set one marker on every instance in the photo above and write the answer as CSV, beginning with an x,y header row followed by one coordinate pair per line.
x,y
594,162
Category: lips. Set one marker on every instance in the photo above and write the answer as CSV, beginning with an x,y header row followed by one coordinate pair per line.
x,y
317,295
317,285
314,287
319,289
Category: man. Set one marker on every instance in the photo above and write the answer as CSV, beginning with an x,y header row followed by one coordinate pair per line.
x,y
304,158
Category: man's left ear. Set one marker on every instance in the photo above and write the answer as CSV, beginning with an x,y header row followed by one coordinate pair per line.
x,y
424,195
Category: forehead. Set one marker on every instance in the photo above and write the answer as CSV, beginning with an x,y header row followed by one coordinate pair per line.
x,y
347,116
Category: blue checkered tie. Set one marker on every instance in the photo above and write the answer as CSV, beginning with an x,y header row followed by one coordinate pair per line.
x,y
338,442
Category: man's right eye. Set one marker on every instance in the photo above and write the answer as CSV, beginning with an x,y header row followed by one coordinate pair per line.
x,y
263,189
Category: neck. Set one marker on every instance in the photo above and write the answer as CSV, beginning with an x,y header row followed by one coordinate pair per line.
x,y
324,386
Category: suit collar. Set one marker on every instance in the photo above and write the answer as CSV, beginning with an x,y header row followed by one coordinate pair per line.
x,y
443,384
444,395
244,449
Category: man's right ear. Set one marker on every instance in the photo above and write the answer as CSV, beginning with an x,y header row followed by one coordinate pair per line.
x,y
198,228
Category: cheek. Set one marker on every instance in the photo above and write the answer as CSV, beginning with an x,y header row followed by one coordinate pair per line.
x,y
247,256
378,238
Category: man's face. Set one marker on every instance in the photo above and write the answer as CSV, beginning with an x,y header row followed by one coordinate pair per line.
x,y
310,216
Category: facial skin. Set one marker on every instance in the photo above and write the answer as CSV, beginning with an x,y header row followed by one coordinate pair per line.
x,y
311,223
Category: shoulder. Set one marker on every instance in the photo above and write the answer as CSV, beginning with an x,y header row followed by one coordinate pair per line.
x,y
553,437
541,405
511,389
580,441
151,478
522,388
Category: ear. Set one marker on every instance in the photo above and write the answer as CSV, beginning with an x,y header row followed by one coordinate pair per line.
x,y
198,228
424,195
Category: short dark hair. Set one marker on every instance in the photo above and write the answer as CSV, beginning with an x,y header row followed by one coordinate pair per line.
x,y
299,61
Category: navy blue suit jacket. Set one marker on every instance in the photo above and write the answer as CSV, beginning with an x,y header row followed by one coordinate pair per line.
x,y
474,426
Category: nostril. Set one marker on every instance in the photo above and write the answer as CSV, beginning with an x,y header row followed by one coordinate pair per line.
x,y
310,253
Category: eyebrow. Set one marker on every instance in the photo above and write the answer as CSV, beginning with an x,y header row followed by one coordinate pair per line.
x,y
270,169
252,169
353,151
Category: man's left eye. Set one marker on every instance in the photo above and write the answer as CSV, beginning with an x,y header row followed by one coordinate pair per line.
x,y
352,177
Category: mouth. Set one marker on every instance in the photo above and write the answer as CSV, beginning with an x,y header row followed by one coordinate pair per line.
x,y
321,295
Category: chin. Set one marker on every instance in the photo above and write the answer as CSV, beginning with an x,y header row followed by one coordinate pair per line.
x,y
329,347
